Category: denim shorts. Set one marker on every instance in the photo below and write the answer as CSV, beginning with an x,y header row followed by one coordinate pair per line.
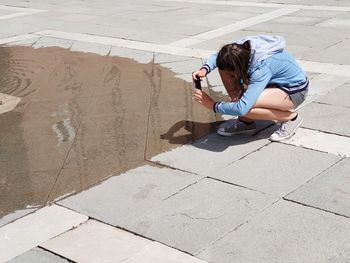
x,y
299,97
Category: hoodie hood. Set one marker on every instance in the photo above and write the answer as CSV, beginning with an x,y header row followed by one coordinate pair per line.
x,y
263,46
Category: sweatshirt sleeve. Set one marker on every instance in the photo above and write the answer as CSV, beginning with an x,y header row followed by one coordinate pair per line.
x,y
258,81
211,63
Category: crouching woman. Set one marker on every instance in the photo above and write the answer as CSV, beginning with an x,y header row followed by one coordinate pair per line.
x,y
264,82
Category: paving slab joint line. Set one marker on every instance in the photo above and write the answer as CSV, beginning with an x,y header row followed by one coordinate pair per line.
x,y
68,208
15,219
246,155
174,61
134,233
329,167
34,42
21,8
240,225
233,27
82,190
328,104
266,5
149,106
327,132
182,189
315,207
198,218
158,164
240,186
333,44
58,255
100,221
63,162
309,148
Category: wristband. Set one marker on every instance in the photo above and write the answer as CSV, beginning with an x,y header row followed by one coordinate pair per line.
x,y
215,106
206,67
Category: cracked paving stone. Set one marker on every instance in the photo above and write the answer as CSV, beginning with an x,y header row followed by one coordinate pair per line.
x,y
200,214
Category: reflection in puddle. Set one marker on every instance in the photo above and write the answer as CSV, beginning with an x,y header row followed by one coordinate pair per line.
x,y
83,117
64,131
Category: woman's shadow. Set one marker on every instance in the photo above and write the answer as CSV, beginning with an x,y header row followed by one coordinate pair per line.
x,y
204,136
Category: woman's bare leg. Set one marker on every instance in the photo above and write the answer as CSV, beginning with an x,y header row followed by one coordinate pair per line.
x,y
269,114
273,104
274,98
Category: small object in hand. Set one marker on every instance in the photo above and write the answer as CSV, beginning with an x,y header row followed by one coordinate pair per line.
x,y
197,83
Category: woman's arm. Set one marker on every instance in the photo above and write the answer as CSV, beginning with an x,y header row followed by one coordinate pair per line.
x,y
211,63
259,80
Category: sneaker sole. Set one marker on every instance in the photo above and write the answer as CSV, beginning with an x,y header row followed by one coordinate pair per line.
x,y
226,134
287,137
281,139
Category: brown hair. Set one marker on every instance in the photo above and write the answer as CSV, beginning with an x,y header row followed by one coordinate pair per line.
x,y
236,57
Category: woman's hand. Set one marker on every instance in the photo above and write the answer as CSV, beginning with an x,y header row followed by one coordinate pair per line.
x,y
203,98
199,73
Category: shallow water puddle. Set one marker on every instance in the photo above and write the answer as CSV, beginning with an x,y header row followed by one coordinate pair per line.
x,y
82,117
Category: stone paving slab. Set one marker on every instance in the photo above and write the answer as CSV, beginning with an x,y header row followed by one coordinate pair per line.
x,y
285,233
276,169
200,214
214,151
329,191
330,118
318,13
53,42
24,192
129,195
13,39
161,58
102,50
17,29
96,242
336,23
138,55
322,85
339,96
5,12
24,42
321,141
294,19
16,215
28,232
38,255
324,33
183,67
214,78
158,253
331,53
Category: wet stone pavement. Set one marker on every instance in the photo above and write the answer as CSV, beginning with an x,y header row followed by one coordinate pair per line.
x,y
104,156
84,117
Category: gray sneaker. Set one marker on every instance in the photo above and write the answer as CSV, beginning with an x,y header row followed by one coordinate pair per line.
x,y
233,127
286,130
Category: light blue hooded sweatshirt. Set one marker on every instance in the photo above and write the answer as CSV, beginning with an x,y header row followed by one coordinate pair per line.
x,y
269,64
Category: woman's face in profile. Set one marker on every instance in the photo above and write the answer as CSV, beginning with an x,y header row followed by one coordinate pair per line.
x,y
227,73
